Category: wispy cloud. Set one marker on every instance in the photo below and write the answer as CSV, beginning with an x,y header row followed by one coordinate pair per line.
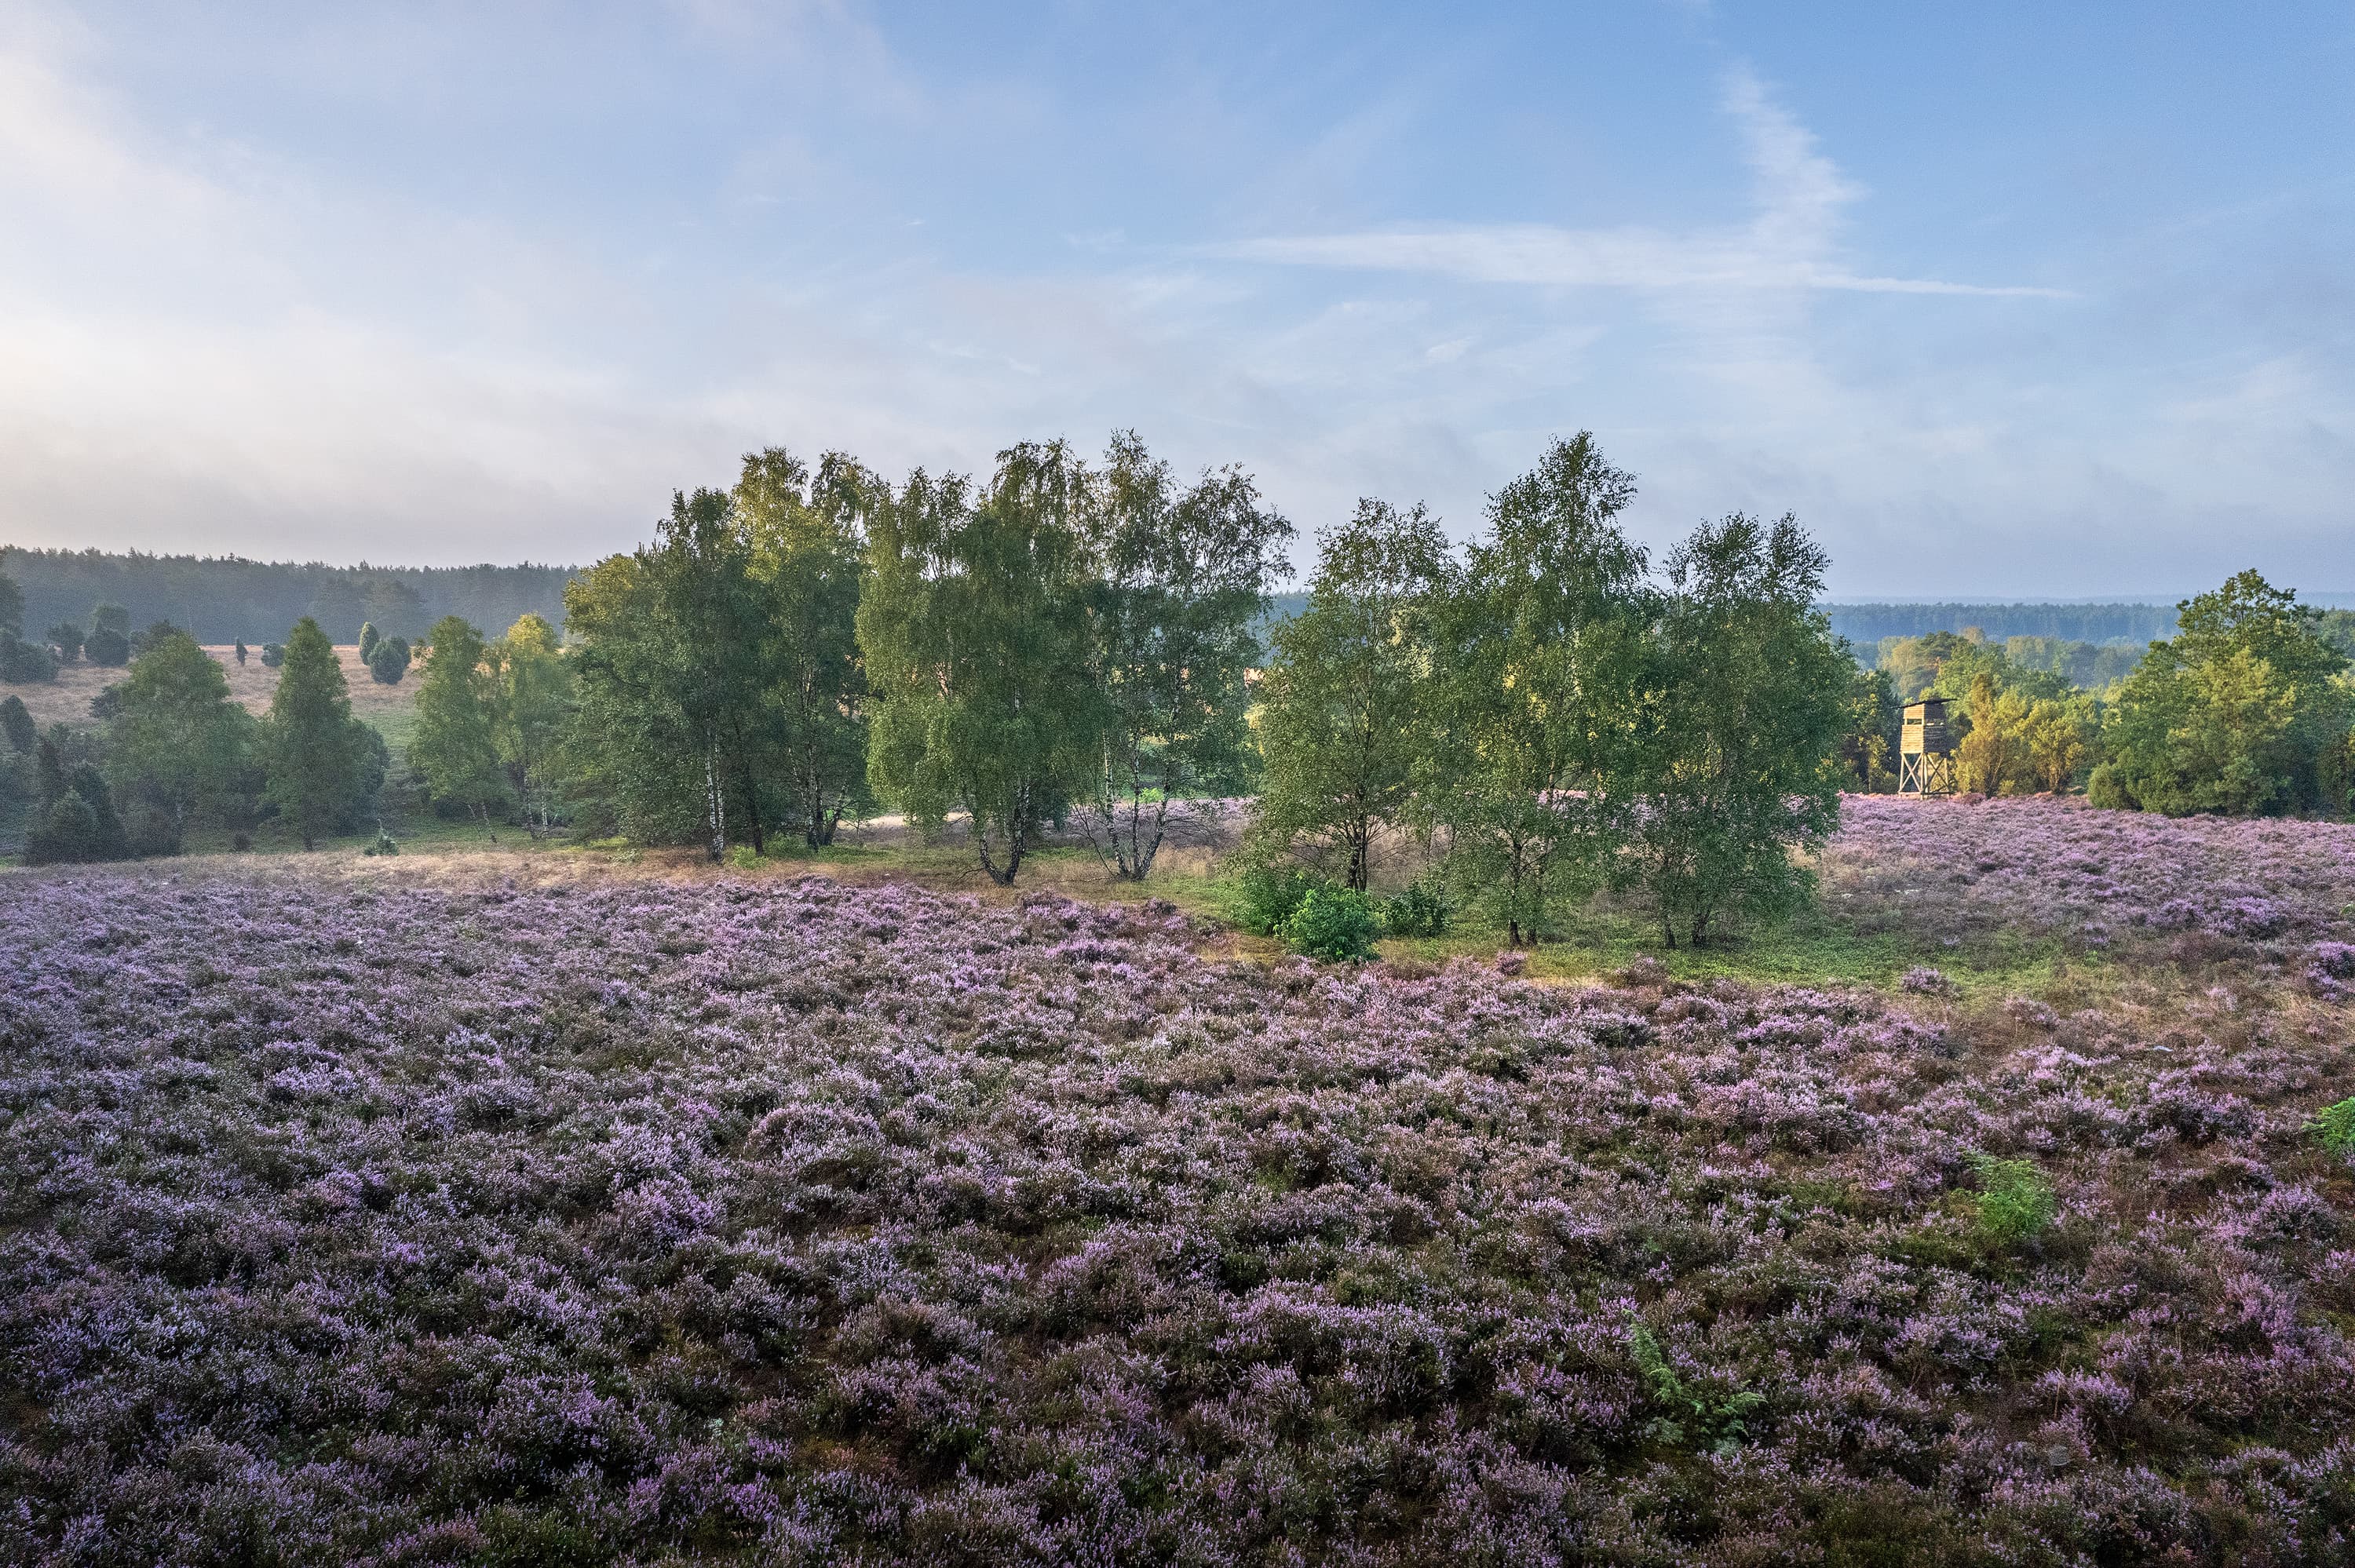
x,y
1790,242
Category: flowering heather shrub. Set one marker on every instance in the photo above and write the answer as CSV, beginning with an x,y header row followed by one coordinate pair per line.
x,y
380,1222
1924,980
2059,867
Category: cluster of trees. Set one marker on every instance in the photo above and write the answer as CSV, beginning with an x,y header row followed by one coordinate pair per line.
x,y
387,658
491,718
105,639
1943,662
1553,715
2247,709
1068,641
1077,643
2128,626
175,752
225,599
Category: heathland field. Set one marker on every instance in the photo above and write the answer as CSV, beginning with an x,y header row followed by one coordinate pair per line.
x,y
66,700
541,1207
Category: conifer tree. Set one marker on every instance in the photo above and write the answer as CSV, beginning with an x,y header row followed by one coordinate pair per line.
x,y
318,753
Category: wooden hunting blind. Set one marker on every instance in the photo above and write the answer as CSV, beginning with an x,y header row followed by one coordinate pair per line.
x,y
1925,750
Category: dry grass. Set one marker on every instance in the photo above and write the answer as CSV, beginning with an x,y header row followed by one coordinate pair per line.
x,y
67,699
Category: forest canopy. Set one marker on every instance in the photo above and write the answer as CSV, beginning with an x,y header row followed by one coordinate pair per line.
x,y
225,599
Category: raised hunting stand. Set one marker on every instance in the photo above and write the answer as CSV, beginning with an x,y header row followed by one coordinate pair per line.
x,y
1925,750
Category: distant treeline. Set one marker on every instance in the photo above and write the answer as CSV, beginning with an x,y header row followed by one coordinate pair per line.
x,y
1867,625
226,600
2136,624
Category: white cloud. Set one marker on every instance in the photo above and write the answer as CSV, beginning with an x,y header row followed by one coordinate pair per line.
x,y
1788,243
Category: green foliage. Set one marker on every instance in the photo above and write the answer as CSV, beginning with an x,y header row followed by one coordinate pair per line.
x,y
1267,895
2016,1202
65,637
1420,910
273,654
1345,716
388,661
1993,756
1181,575
77,820
369,638
1696,1418
975,631
107,647
531,704
455,748
1335,924
177,744
2106,787
2241,713
1541,681
1749,697
384,844
633,761
156,633
1947,663
23,663
2335,1126
808,560
717,677
323,765
1868,738
12,606
16,724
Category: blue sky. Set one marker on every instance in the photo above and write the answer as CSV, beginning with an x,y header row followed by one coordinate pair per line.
x,y
2007,300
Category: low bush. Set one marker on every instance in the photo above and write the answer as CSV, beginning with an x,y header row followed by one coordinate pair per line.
x,y
16,724
1335,924
108,646
387,662
2016,1200
1419,911
2335,1125
1268,895
23,663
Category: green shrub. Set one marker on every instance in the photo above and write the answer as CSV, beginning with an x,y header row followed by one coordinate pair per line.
x,y
384,844
273,654
2335,1125
16,724
1335,924
2016,1202
1419,911
22,663
2108,790
1698,1418
387,662
1269,895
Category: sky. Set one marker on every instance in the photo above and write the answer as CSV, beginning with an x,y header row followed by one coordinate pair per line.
x,y
2001,300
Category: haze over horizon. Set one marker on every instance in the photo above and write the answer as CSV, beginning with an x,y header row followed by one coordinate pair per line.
x,y
2007,305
